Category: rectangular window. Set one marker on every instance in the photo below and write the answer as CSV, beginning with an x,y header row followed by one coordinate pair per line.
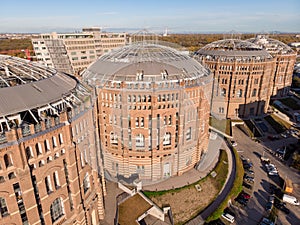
x,y
61,140
3,207
189,134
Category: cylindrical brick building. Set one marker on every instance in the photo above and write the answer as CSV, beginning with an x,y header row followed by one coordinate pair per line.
x,y
48,168
153,111
285,59
242,73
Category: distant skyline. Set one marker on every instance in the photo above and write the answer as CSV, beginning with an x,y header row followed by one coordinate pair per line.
x,y
178,16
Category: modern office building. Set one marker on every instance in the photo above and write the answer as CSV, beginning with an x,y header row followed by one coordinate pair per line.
x,y
153,111
73,52
48,160
285,59
243,77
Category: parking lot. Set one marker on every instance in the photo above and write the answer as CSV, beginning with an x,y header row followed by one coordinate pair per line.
x,y
262,181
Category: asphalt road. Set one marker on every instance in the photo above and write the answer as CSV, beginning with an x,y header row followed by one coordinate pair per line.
x,y
255,210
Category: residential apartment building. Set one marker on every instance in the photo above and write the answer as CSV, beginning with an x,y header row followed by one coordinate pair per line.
x,y
48,148
153,111
243,76
74,52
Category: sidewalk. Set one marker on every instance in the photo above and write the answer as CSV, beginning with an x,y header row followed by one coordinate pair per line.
x,y
205,167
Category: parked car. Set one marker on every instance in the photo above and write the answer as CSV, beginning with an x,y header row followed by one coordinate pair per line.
x,y
271,198
242,201
228,217
245,195
248,186
266,221
269,206
290,199
233,143
281,206
249,171
249,180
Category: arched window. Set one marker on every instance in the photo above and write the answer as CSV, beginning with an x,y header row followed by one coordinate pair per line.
x,y
47,145
48,184
38,149
41,163
86,183
54,143
3,207
56,180
11,175
167,139
49,159
140,141
7,160
29,153
61,140
2,180
56,209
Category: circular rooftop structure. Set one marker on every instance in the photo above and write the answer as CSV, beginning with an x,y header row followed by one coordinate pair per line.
x,y
25,85
271,45
233,49
145,62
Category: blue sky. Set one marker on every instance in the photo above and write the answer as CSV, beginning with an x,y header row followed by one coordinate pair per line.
x,y
177,15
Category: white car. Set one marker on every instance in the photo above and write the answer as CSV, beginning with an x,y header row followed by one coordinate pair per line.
x,y
233,143
228,217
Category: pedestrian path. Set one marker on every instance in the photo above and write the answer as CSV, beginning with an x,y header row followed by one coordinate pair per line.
x,y
205,167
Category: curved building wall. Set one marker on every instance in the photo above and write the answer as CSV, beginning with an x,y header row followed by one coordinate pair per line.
x,y
285,59
242,82
48,163
155,132
153,111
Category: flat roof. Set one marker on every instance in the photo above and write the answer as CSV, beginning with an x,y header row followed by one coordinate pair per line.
x,y
131,209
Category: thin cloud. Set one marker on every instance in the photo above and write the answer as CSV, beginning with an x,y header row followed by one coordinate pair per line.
x,y
107,13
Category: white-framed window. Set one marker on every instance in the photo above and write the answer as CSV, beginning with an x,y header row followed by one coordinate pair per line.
x,y
140,141
61,139
56,209
54,143
113,138
221,109
167,139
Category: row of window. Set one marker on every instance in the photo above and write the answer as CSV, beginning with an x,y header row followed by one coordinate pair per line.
x,y
240,81
56,209
39,148
239,93
10,176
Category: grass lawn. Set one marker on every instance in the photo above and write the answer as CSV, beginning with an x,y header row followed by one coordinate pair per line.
x,y
223,125
235,190
186,202
290,102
